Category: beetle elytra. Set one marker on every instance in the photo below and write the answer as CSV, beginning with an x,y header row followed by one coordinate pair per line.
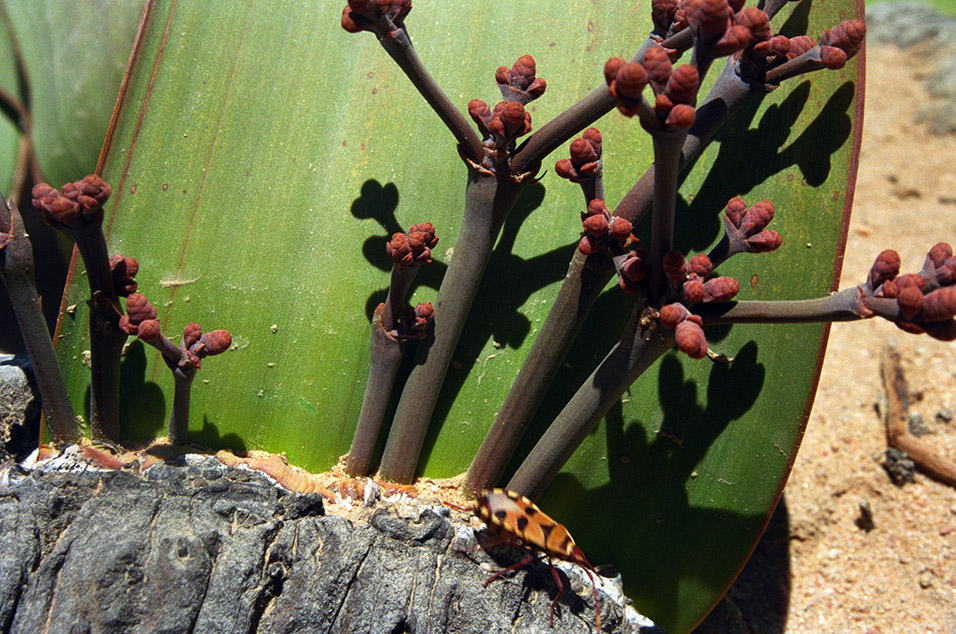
x,y
515,517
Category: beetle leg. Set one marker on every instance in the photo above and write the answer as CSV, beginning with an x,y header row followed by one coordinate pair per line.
x,y
557,580
526,560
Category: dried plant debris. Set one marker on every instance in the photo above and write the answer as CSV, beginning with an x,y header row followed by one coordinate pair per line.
x,y
906,449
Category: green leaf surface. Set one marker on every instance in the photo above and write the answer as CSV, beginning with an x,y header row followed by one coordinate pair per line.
x,y
9,132
677,486
74,53
258,173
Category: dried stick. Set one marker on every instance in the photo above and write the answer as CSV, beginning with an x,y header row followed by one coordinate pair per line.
x,y
896,418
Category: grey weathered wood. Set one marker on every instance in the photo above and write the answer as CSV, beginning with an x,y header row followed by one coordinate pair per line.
x,y
208,548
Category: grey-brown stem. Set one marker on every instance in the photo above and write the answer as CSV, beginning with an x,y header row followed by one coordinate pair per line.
x,y
640,345
17,273
179,414
487,201
386,357
400,49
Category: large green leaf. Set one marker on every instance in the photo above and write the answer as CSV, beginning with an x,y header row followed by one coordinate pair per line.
x,y
9,133
74,53
258,172
9,152
269,164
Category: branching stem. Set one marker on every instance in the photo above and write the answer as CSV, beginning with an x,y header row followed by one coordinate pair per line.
x,y
179,414
399,47
560,129
535,376
640,345
667,155
843,306
17,273
581,287
488,199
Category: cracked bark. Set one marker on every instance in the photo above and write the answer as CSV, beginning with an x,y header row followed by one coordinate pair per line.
x,y
210,548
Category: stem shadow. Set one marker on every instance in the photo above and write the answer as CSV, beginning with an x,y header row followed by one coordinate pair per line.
x,y
671,509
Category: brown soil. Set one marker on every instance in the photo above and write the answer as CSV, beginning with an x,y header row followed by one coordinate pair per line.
x,y
899,576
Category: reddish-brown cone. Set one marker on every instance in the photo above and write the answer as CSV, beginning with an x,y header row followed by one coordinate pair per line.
x,y
885,268
765,241
694,291
910,300
191,334
701,265
149,330
721,289
683,84
800,45
509,120
215,342
413,248
681,116
938,305
847,36
123,271
675,267
673,314
832,58
519,82
690,339
585,159
657,63
364,15
626,83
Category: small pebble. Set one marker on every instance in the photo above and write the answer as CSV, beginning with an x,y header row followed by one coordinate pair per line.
x,y
918,425
864,521
926,579
944,415
898,466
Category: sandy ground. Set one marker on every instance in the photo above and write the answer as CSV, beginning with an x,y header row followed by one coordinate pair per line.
x,y
899,576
